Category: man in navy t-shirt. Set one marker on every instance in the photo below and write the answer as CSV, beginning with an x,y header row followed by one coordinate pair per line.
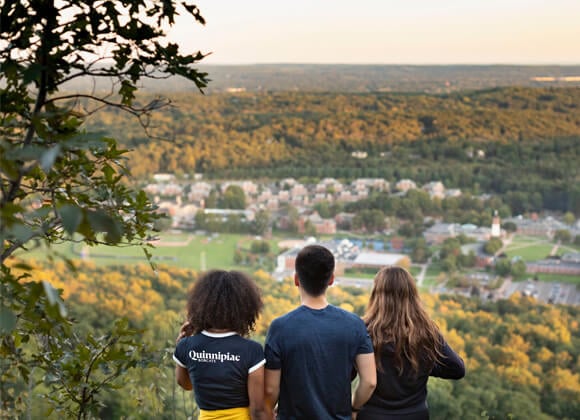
x,y
311,351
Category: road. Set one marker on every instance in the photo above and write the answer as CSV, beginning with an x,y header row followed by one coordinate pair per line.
x,y
354,282
421,276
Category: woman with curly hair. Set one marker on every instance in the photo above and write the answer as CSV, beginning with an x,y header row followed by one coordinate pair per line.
x,y
408,349
214,355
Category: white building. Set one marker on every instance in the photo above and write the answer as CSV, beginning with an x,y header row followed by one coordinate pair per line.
x,y
405,185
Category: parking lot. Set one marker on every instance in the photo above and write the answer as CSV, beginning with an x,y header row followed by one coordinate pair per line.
x,y
557,293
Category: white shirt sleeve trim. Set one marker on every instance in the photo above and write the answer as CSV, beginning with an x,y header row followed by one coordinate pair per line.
x,y
257,366
178,362
219,335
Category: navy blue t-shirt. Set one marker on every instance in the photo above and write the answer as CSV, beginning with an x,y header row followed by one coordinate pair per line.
x,y
218,366
315,350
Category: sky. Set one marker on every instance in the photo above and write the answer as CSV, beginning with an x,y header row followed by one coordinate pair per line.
x,y
384,31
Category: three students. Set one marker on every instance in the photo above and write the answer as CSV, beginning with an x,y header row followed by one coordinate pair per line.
x,y
311,351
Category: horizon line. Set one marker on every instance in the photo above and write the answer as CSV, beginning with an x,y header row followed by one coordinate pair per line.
x,y
394,64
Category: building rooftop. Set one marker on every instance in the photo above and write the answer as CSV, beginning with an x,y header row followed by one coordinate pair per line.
x,y
377,258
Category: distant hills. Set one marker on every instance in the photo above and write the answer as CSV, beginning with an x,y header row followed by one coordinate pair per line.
x,y
365,78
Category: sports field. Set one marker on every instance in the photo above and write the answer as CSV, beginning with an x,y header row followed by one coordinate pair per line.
x,y
186,250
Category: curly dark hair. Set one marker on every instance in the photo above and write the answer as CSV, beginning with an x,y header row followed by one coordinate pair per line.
x,y
224,300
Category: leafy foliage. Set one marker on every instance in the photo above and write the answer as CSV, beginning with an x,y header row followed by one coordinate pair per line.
x,y
79,368
233,198
59,182
521,356
55,178
492,246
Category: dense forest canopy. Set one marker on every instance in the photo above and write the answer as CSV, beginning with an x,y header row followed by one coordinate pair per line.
x,y
522,357
503,140
260,130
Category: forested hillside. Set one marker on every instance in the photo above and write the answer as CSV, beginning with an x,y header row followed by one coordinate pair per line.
x,y
514,139
522,358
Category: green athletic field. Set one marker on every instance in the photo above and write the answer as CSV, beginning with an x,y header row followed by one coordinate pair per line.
x,y
184,250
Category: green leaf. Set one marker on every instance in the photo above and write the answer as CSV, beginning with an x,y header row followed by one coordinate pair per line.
x,y
54,297
50,292
39,126
11,212
27,153
71,217
24,372
109,173
84,354
21,233
9,168
85,229
40,213
127,92
49,157
102,222
7,320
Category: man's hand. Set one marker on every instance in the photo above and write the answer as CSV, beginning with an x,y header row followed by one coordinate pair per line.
x,y
185,331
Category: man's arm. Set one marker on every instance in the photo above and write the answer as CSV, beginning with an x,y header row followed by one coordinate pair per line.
x,y
272,390
367,372
182,377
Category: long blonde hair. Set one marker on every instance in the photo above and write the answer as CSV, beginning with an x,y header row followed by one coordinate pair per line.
x,y
395,316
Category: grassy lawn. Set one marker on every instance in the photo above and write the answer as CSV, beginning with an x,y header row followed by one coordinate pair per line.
x,y
415,271
41,252
428,282
178,249
358,275
433,270
566,248
532,252
519,239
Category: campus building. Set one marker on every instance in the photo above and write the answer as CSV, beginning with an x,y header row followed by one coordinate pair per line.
x,y
568,264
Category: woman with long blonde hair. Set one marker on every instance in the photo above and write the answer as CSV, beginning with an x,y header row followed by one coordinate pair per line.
x,y
408,349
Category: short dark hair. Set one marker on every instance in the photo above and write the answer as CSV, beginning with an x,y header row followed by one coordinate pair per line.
x,y
314,267
224,300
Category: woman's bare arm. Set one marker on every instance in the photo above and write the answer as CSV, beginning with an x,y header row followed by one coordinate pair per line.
x,y
256,394
182,377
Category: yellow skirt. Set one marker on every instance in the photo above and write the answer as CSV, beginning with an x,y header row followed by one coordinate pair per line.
x,y
238,413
